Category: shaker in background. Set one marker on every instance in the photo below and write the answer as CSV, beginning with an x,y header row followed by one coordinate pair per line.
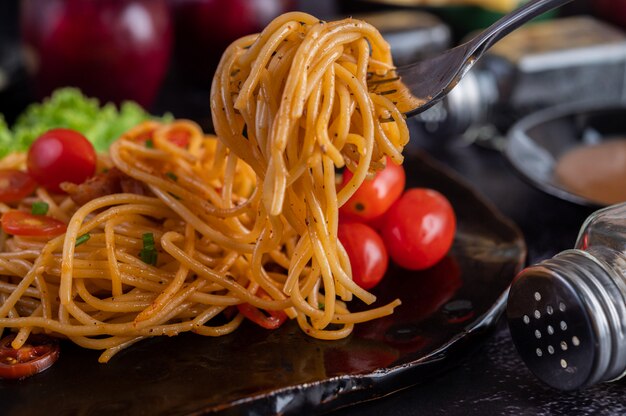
x,y
567,314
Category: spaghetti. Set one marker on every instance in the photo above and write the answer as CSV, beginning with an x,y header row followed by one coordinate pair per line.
x,y
249,217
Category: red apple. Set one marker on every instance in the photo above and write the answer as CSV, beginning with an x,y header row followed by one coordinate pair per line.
x,y
112,49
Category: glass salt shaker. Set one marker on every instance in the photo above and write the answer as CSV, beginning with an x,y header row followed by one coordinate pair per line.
x,y
567,314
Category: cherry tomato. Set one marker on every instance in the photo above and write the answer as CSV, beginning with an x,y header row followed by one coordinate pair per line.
x,y
61,155
26,224
37,355
376,195
15,185
266,319
418,229
367,253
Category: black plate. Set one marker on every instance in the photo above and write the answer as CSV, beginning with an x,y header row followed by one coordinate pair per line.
x,y
254,371
537,141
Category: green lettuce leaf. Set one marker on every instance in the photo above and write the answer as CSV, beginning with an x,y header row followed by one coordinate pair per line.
x,y
69,108
6,138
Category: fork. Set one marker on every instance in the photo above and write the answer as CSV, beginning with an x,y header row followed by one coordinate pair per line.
x,y
418,86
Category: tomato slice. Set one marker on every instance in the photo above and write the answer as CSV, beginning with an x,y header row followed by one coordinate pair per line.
x,y
37,355
15,185
266,319
28,225
367,253
374,197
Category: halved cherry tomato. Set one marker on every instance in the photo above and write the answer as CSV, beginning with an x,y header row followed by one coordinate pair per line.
x,y
61,155
265,318
28,225
367,253
37,355
418,229
15,185
376,195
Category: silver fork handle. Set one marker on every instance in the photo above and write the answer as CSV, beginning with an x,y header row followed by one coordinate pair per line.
x,y
510,22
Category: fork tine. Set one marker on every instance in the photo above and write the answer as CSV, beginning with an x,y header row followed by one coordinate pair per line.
x,y
420,85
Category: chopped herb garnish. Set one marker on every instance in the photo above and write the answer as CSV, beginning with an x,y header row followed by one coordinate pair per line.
x,y
148,254
172,176
39,208
149,144
82,239
320,306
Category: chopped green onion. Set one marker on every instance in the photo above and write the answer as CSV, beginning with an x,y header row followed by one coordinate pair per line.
x,y
172,176
149,144
148,240
148,254
39,208
82,239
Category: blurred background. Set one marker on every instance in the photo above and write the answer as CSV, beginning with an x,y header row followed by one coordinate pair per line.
x,y
162,53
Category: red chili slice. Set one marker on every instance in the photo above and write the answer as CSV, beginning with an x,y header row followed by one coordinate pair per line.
x,y
265,318
179,137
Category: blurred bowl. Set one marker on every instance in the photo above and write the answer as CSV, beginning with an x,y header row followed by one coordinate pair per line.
x,y
574,152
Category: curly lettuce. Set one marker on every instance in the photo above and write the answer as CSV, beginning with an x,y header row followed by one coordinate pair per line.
x,y
6,138
69,108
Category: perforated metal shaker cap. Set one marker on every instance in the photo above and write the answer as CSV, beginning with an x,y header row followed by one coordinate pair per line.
x,y
563,315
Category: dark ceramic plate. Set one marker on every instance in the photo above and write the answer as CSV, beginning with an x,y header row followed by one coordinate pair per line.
x,y
536,142
445,310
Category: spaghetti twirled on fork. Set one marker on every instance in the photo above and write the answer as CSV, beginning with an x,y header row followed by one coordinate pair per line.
x,y
248,217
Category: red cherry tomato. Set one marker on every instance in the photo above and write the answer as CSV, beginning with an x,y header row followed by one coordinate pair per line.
x,y
15,185
376,195
38,354
25,224
418,229
265,318
367,253
61,155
